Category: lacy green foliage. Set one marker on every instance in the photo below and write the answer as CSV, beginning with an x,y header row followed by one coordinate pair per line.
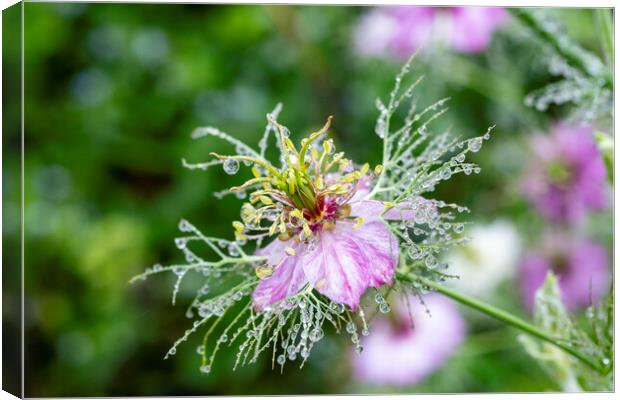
x,y
595,341
415,161
585,81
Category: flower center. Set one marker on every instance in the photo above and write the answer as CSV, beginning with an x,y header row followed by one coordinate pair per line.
x,y
559,172
307,195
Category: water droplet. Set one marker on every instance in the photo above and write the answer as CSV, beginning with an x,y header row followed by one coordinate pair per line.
x,y
180,243
384,308
200,349
231,166
205,369
184,226
233,250
459,228
337,307
475,144
172,351
350,327
281,359
430,261
446,173
606,361
379,298
316,334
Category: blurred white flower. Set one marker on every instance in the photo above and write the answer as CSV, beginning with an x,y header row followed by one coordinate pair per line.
x,y
489,258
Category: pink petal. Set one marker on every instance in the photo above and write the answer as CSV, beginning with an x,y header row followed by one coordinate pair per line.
x,y
346,261
287,279
381,248
372,209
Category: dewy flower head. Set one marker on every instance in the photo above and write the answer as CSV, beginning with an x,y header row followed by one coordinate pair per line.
x,y
318,230
567,176
324,234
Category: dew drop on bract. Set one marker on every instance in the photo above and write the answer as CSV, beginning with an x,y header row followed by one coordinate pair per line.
x,y
431,261
475,144
231,166
184,226
316,334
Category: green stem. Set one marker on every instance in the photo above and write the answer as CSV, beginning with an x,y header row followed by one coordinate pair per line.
x,y
570,51
506,317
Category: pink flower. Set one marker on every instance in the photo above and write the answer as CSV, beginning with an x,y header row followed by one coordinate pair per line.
x,y
399,353
567,177
399,31
581,267
347,255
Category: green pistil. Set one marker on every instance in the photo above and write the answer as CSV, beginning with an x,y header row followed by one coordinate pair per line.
x,y
559,172
298,186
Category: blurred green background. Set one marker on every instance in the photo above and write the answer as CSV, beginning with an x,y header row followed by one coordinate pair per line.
x,y
112,94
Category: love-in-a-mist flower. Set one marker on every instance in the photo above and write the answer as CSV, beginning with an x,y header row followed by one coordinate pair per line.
x,y
489,258
567,175
581,266
410,344
325,235
398,31
317,230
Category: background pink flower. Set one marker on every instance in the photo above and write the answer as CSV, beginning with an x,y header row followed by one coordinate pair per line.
x,y
399,353
399,31
581,266
567,177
